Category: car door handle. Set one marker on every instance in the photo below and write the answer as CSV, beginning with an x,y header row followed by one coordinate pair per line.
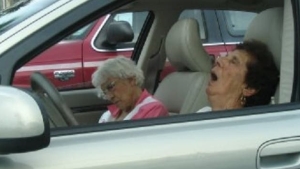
x,y
64,75
282,155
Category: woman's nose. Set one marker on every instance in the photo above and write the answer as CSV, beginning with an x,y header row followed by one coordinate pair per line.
x,y
109,96
221,61
218,61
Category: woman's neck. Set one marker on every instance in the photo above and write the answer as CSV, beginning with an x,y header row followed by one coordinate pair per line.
x,y
136,94
224,102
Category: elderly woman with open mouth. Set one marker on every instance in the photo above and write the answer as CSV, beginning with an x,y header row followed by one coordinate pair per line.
x,y
120,81
245,77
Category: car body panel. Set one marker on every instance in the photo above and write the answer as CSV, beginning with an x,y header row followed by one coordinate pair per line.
x,y
217,143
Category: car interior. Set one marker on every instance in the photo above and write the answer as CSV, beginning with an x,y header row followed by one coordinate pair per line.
x,y
186,53
183,91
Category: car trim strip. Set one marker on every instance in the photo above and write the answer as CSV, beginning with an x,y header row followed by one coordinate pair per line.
x,y
50,67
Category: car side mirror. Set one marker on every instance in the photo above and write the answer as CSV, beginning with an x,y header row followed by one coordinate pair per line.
x,y
24,125
118,32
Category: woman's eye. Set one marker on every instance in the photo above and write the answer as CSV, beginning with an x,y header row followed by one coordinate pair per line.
x,y
233,61
109,87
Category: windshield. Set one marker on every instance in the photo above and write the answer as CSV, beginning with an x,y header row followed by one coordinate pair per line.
x,y
20,11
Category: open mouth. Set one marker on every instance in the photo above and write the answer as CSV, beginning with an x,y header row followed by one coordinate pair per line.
x,y
213,76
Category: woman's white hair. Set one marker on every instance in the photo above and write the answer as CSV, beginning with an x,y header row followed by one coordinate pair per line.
x,y
119,67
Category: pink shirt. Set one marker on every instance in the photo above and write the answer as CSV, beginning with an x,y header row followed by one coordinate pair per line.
x,y
145,107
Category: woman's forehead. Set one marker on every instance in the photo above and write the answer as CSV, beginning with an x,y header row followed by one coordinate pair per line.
x,y
241,55
108,80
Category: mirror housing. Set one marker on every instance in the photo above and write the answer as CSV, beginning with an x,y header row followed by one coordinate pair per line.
x,y
24,124
118,32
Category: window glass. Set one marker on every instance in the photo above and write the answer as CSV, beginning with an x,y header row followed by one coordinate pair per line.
x,y
198,15
237,22
80,33
124,17
70,63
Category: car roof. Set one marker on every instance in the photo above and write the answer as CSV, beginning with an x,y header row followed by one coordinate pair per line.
x,y
244,5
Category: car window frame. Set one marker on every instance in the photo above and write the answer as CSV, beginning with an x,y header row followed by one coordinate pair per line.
x,y
296,81
138,46
186,118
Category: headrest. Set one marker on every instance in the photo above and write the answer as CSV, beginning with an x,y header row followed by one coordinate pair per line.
x,y
184,47
267,27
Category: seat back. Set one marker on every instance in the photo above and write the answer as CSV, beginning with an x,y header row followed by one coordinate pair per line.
x,y
267,27
183,91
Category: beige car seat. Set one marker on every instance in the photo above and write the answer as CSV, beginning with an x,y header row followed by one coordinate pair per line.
x,y
267,27
183,91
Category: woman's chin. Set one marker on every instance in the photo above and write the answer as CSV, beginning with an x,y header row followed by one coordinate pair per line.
x,y
211,83
119,105
210,90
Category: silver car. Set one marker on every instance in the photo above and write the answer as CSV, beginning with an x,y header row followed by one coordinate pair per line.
x,y
43,127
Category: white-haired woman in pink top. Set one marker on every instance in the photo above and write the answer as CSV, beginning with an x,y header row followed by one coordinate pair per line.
x,y
120,81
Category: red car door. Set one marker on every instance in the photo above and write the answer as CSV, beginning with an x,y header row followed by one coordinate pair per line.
x,y
61,64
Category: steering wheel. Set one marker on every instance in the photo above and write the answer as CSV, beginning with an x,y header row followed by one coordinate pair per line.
x,y
46,90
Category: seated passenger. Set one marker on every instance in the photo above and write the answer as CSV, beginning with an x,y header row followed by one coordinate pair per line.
x,y
120,81
246,77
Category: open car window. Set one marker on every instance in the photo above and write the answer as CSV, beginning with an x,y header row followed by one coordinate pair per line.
x,y
70,63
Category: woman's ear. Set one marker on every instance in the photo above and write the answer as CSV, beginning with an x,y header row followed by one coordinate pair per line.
x,y
132,81
249,91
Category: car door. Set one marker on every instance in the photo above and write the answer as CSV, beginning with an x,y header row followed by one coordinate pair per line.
x,y
250,138
61,64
